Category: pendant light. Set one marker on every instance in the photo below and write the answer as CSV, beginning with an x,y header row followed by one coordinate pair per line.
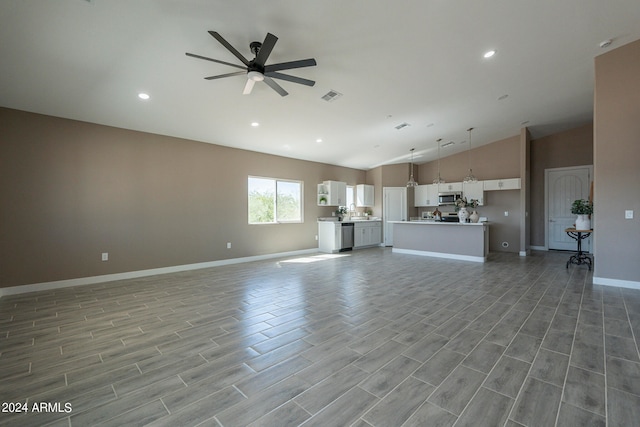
x,y
438,180
412,182
470,178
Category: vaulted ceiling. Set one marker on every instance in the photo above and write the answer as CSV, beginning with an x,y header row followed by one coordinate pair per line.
x,y
415,62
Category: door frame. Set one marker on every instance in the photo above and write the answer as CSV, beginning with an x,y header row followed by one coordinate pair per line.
x,y
546,197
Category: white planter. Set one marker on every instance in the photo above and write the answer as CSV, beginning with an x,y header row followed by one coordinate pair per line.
x,y
474,217
463,214
583,222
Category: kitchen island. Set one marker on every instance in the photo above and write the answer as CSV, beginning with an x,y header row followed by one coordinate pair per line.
x,y
453,240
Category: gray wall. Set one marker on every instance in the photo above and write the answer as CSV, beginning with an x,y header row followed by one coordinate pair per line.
x,y
500,159
617,164
564,149
71,190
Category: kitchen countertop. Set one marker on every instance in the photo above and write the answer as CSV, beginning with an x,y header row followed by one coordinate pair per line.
x,y
427,222
335,219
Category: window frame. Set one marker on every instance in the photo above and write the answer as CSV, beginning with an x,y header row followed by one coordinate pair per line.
x,y
275,207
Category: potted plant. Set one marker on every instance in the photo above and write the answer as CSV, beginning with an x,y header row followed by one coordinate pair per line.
x,y
474,217
582,208
461,208
342,210
323,200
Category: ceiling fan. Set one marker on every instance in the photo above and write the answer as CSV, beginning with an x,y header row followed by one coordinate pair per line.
x,y
255,69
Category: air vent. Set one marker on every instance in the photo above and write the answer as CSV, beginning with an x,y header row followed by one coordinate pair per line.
x,y
402,125
447,144
331,96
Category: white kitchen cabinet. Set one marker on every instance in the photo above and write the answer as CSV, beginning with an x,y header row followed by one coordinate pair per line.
x,y
474,190
502,184
450,186
426,195
329,236
364,195
367,233
332,193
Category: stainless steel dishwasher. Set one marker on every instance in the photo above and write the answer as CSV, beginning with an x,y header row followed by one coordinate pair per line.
x,y
347,236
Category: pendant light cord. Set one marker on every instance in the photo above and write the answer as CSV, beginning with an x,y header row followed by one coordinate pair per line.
x,y
470,177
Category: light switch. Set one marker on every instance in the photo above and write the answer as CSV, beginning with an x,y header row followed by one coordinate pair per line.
x,y
506,213
628,214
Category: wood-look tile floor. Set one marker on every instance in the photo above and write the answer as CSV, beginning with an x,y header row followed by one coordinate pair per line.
x,y
367,338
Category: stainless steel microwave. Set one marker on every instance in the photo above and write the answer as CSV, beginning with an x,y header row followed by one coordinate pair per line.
x,y
450,198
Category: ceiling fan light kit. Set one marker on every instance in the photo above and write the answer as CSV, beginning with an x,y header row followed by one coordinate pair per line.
x,y
255,76
255,69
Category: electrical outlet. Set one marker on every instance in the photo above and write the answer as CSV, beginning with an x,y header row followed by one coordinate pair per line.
x,y
316,237
105,256
228,245
628,214
506,213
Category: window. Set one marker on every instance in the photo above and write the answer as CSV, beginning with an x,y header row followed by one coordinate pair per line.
x,y
274,200
350,198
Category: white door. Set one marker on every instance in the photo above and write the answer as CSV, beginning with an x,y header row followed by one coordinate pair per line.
x,y
564,185
394,208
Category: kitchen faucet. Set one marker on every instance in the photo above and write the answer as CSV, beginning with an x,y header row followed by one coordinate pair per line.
x,y
352,210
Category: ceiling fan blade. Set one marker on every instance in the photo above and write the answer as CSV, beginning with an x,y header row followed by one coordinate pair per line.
x,y
230,48
275,86
289,65
248,87
236,73
267,46
215,60
289,78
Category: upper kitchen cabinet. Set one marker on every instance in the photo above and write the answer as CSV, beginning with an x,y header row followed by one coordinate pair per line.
x,y
474,190
450,186
332,193
364,195
502,184
426,195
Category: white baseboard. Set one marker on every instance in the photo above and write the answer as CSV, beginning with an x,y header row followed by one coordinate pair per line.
x,y
630,284
440,255
45,286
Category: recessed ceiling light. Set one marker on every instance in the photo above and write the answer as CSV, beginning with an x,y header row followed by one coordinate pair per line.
x,y
255,124
319,140
143,95
489,53
606,43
